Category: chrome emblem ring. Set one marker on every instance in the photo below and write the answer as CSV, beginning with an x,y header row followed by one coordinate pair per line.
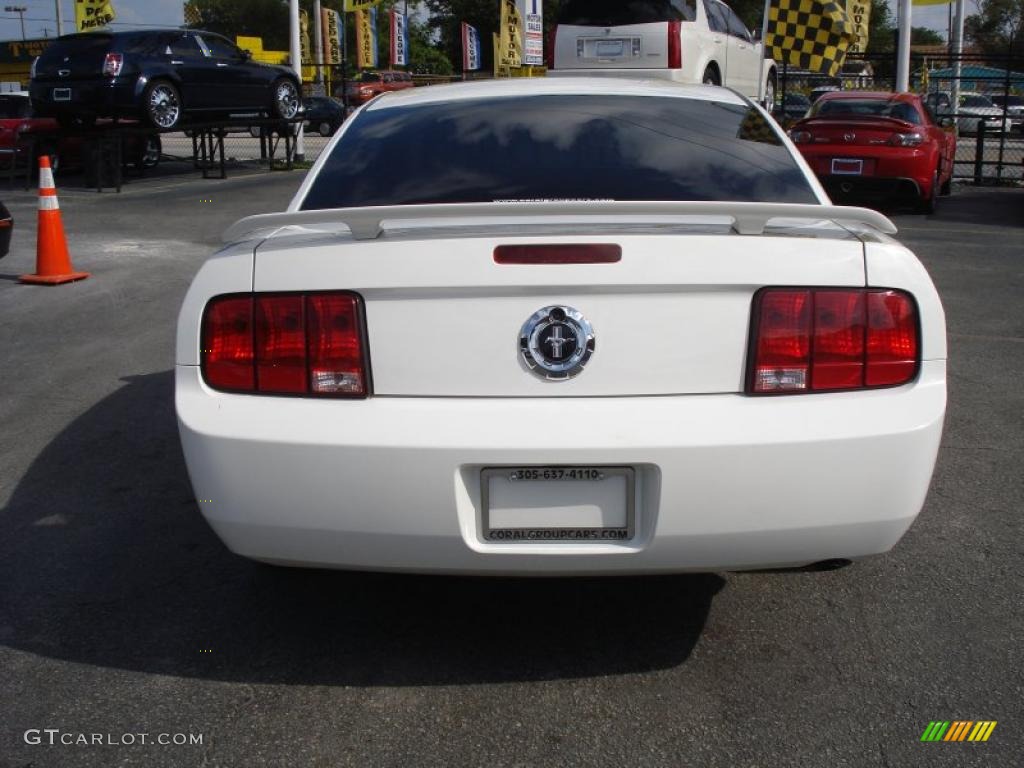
x,y
556,343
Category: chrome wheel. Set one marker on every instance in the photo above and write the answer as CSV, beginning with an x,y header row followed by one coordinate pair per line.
x,y
286,99
324,129
769,94
164,105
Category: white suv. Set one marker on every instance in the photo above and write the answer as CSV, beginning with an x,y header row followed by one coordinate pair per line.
x,y
689,41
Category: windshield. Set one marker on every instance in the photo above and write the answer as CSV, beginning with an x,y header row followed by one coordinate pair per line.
x,y
975,101
897,110
616,13
558,147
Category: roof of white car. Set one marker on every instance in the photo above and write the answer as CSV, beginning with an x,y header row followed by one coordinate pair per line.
x,y
560,86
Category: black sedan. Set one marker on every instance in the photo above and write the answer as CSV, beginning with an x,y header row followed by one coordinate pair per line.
x,y
323,115
159,76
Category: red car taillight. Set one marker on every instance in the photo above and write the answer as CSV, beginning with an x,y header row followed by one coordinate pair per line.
x,y
292,344
816,340
112,64
675,45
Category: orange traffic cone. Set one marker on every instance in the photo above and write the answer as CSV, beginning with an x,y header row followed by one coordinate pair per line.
x,y
53,262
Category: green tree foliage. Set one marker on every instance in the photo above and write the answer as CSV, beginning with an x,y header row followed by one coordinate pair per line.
x,y
998,29
447,15
267,19
925,36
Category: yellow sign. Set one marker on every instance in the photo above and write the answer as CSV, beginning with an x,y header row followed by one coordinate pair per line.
x,y
366,38
360,5
93,14
859,12
332,36
511,35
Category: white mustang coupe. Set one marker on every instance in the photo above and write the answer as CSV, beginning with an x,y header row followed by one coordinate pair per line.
x,y
568,326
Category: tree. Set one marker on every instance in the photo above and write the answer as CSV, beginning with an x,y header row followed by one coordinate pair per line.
x,y
267,19
998,29
925,36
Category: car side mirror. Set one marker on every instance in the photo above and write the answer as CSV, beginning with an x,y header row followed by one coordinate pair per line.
x,y
755,35
246,55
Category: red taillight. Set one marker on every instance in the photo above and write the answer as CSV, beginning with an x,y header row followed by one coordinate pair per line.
x,y
227,344
806,340
675,45
594,253
298,344
112,64
549,54
892,344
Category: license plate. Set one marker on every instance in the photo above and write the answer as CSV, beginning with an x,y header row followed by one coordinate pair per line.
x,y
537,504
62,94
607,49
847,167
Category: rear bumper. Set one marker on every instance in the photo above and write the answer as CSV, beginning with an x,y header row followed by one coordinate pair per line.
x,y
723,481
872,188
102,97
889,172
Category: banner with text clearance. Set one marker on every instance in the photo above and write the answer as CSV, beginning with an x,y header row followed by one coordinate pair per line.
x,y
93,14
352,6
366,38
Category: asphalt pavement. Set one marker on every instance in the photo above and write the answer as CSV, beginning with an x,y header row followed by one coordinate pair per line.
x,y
121,614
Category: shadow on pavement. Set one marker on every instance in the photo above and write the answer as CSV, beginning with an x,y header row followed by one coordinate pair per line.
x,y
105,560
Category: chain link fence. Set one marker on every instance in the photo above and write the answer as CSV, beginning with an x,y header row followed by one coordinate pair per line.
x,y
981,97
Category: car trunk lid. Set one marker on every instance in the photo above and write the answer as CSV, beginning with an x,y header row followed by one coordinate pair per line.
x,y
670,317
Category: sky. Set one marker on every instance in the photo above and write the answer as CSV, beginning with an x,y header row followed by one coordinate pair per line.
x,y
40,16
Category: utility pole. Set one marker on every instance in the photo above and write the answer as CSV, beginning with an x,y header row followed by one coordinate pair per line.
x,y
904,22
20,10
296,56
60,19
318,41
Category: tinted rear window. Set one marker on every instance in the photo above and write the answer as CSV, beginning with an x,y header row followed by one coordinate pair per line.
x,y
616,13
897,110
586,147
90,43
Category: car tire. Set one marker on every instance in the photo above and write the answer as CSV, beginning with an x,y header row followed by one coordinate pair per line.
x,y
325,129
769,92
285,99
161,105
149,156
928,205
947,186
711,76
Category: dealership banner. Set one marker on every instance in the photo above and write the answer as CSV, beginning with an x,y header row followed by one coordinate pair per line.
x,y
331,24
399,39
532,14
366,38
93,14
511,33
859,12
352,6
470,48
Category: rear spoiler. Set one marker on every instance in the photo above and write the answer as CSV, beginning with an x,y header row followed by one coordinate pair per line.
x,y
368,223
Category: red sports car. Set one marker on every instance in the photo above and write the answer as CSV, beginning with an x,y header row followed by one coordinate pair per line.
x,y
877,147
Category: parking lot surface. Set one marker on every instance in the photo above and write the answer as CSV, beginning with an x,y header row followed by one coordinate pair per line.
x,y
122,614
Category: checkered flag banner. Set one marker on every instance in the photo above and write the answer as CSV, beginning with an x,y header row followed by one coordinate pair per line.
x,y
193,16
809,34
